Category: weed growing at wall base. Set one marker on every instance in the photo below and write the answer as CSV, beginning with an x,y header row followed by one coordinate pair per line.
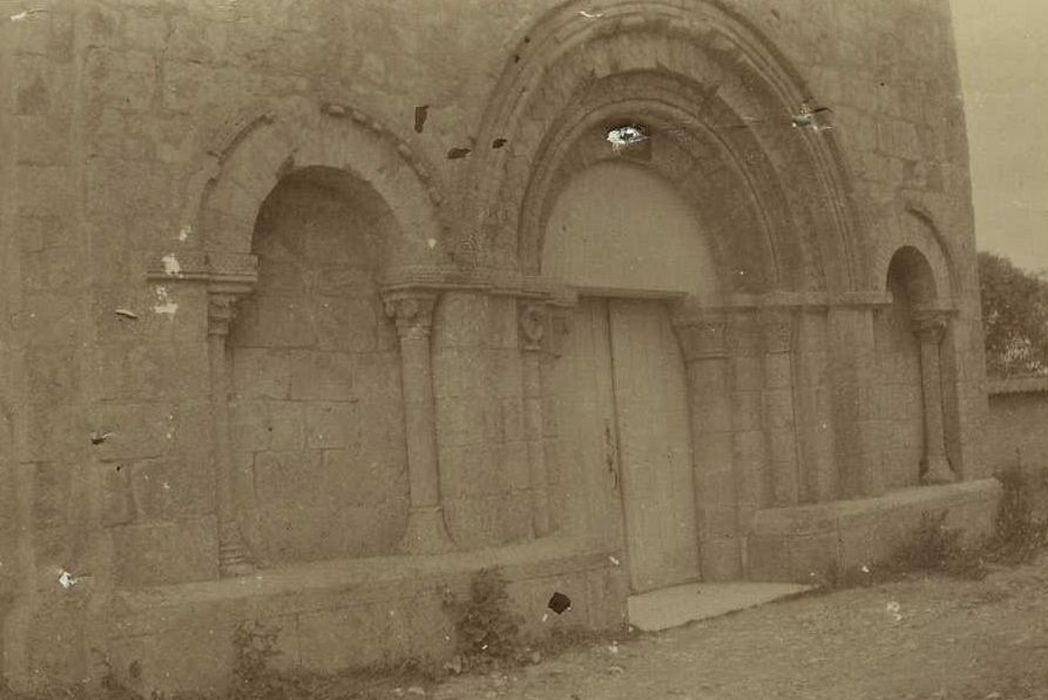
x,y
1019,533
487,630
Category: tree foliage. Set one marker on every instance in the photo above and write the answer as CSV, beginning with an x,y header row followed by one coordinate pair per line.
x,y
1015,317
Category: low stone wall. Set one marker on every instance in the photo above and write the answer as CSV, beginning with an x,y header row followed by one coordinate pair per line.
x,y
804,543
1018,423
351,613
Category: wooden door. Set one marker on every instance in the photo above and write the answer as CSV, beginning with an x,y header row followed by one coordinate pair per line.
x,y
651,404
588,491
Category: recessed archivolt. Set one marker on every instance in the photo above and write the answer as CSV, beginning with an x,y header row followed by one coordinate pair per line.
x,y
257,147
717,171
701,45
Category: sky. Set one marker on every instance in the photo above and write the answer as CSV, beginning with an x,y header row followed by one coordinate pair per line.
x,y
1002,48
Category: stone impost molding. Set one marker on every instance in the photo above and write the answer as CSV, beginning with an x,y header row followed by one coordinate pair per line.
x,y
412,310
930,324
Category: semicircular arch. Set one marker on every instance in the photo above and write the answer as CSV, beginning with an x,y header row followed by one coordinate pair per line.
x,y
299,134
720,57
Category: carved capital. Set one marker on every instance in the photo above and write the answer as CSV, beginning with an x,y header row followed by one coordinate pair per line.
x,y
413,313
560,327
704,338
930,326
777,332
221,310
532,318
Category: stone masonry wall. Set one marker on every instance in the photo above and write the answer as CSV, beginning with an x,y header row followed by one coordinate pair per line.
x,y
133,89
480,423
317,418
107,108
1018,416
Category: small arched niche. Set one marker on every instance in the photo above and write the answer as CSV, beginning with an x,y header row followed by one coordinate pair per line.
x,y
911,285
618,227
316,414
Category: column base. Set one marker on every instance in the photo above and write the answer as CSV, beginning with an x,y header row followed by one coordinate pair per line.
x,y
232,558
540,525
426,532
938,471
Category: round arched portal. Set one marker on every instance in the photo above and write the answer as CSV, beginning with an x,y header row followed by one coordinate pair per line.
x,y
628,243
318,428
707,83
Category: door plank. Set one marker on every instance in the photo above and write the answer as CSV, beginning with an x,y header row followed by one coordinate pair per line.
x,y
586,424
655,443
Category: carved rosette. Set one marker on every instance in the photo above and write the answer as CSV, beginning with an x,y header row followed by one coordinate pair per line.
x,y
413,313
532,323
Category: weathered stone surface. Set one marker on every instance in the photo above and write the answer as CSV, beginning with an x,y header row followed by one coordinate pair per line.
x,y
373,369
162,553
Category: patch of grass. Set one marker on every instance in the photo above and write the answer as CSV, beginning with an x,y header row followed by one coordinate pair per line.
x,y
562,640
932,548
254,678
936,548
1019,533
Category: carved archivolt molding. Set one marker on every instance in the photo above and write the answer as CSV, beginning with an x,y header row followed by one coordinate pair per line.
x,y
423,171
247,154
700,41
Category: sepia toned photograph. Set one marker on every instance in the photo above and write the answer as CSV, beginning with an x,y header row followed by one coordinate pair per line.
x,y
524,349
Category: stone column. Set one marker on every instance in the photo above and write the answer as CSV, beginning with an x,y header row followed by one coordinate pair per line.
x,y
704,342
815,415
426,531
232,558
780,423
532,329
930,328
851,360
749,441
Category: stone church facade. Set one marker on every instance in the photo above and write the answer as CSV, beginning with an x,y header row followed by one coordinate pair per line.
x,y
311,309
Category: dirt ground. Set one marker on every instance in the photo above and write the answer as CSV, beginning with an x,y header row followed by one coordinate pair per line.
x,y
921,638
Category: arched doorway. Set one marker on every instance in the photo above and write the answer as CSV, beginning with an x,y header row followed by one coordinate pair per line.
x,y
627,242
316,411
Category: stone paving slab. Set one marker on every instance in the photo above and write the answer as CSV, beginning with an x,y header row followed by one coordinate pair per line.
x,y
679,605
